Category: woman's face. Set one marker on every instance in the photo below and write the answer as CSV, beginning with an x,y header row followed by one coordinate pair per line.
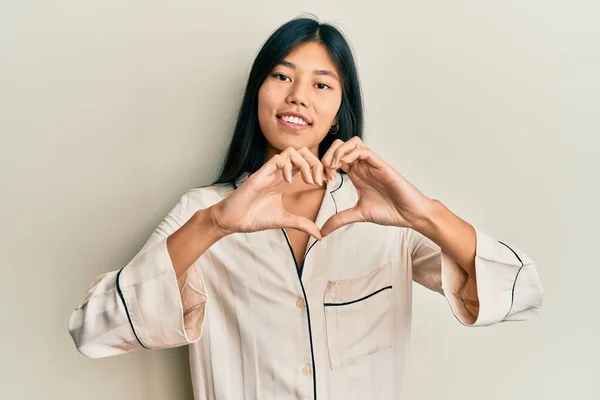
x,y
306,84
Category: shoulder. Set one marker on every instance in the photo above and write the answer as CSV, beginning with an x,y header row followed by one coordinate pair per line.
x,y
204,197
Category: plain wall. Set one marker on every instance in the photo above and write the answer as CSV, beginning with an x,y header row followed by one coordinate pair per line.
x,y
111,110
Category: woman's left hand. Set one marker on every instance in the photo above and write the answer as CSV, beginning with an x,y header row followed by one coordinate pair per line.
x,y
384,196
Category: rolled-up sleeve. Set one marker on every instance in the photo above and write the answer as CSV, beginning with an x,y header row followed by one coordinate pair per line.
x,y
143,304
506,286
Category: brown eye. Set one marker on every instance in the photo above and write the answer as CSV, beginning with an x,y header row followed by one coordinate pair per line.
x,y
278,77
323,84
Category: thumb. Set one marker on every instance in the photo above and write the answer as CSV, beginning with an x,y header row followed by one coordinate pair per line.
x,y
303,224
341,219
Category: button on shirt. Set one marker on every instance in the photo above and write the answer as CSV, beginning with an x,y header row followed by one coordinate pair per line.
x,y
259,328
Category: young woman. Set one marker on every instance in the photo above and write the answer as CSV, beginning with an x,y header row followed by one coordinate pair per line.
x,y
290,276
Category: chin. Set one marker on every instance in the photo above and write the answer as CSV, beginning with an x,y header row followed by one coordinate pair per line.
x,y
286,140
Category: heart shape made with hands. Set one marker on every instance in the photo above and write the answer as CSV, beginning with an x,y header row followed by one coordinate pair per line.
x,y
384,196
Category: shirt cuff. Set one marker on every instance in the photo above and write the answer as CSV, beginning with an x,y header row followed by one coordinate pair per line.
x,y
163,311
505,287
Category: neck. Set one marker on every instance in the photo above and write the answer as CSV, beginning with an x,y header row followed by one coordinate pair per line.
x,y
298,186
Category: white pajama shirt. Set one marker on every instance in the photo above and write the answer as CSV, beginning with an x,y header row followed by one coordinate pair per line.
x,y
257,328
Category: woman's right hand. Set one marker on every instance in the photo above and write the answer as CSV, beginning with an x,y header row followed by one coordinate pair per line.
x,y
256,205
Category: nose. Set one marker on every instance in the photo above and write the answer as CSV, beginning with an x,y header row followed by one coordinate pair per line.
x,y
298,96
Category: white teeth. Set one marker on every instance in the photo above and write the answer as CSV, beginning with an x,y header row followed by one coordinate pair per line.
x,y
294,120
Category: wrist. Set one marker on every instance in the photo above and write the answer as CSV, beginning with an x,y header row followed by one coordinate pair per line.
x,y
455,236
209,222
428,221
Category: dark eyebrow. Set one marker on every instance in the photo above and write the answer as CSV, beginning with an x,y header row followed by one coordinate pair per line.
x,y
316,71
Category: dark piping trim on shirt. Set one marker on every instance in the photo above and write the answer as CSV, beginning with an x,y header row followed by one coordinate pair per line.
x,y
126,310
312,350
512,300
357,300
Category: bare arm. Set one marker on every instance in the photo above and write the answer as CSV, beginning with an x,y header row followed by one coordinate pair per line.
x,y
194,237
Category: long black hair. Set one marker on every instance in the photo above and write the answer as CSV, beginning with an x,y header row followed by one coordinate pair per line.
x,y
247,149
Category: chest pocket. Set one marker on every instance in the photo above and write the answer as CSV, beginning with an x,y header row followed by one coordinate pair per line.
x,y
358,316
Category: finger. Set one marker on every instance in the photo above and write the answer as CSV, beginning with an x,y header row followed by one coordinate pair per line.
x,y
274,164
346,148
287,172
281,162
328,156
341,219
299,161
302,224
363,154
315,164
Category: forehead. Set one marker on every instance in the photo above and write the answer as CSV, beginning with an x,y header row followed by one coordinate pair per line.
x,y
311,56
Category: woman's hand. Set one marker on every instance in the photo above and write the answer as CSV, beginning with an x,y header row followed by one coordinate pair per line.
x,y
257,204
384,196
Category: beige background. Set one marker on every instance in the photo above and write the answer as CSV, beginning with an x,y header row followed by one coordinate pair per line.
x,y
110,110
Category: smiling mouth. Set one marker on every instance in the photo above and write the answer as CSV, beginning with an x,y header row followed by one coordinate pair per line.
x,y
292,119
292,125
